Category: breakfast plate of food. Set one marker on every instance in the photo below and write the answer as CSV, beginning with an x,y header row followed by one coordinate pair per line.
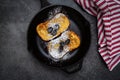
x,y
59,36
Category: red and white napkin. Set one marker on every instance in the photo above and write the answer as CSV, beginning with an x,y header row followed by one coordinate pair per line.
x,y
108,16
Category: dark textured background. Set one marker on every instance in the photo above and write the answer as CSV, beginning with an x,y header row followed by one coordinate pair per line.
x,y
16,63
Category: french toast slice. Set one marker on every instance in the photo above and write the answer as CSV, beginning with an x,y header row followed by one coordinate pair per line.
x,y
53,27
68,41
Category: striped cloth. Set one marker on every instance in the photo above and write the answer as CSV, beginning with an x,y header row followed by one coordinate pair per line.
x,y
108,16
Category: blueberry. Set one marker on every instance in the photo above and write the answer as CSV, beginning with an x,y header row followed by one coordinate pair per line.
x,y
57,26
50,29
60,48
54,32
67,41
62,43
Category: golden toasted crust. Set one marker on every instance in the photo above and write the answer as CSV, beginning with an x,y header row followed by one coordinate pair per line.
x,y
68,41
43,27
74,40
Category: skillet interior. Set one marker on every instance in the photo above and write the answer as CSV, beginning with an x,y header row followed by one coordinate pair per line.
x,y
78,24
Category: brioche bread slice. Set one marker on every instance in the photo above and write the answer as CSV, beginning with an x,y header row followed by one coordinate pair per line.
x,y
68,41
53,27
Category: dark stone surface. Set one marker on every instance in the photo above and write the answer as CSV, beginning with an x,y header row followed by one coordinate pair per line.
x,y
16,63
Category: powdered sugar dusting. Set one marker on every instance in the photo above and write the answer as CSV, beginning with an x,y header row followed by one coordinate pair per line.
x,y
59,15
54,11
54,46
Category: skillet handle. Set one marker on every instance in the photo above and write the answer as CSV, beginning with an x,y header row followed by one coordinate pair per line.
x,y
44,3
73,68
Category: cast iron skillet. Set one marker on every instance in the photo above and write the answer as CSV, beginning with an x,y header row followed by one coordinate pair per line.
x,y
78,24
